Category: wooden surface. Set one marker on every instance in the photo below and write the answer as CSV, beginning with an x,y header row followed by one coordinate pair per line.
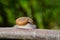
x,y
35,34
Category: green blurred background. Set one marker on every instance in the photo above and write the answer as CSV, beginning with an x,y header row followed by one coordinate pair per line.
x,y
45,13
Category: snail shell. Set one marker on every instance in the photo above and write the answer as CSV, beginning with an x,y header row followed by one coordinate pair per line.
x,y
23,21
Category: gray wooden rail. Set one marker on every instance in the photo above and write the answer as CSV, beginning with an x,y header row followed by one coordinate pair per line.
x,y
33,34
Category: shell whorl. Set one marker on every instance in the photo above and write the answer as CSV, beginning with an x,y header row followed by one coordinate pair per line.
x,y
23,21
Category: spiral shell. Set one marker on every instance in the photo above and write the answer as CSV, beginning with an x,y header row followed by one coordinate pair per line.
x,y
23,21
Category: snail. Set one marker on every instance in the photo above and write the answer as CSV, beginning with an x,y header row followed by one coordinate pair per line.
x,y
25,22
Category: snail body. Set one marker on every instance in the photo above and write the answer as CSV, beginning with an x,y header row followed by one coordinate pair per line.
x,y
25,22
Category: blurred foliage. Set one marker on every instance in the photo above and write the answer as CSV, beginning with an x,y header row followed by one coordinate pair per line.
x,y
45,13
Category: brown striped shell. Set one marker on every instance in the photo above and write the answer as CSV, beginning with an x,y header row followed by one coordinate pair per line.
x,y
23,21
